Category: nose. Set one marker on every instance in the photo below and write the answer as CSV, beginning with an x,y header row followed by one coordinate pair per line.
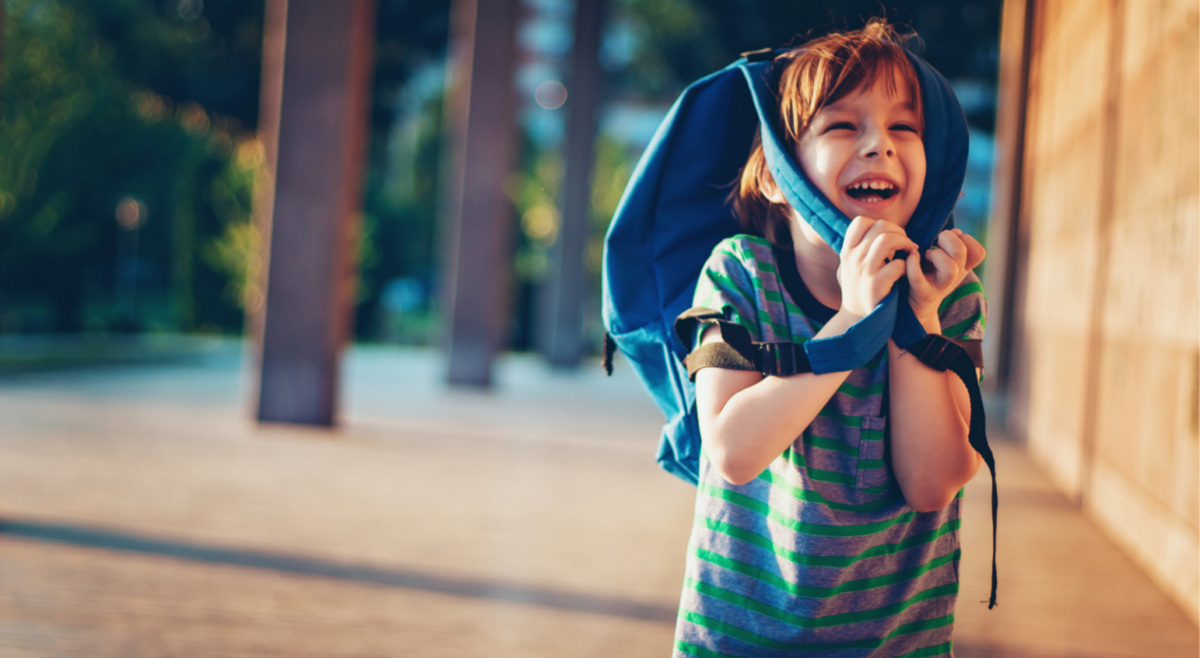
x,y
877,142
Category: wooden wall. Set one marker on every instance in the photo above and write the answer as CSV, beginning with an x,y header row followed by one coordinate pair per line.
x,y
1105,322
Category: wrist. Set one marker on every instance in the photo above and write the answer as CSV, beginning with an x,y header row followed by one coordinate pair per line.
x,y
847,316
838,324
930,322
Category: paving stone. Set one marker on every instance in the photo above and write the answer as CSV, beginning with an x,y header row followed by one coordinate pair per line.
x,y
143,514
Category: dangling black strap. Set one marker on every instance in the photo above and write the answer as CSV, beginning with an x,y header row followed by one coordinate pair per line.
x,y
610,347
941,353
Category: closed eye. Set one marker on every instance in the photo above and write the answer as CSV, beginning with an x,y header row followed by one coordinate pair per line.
x,y
905,127
841,125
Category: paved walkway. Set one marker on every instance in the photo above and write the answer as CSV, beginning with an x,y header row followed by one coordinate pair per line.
x,y
142,514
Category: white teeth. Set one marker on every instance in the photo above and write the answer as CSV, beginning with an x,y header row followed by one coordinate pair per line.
x,y
873,185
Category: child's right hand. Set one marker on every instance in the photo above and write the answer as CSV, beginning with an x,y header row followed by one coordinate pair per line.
x,y
869,268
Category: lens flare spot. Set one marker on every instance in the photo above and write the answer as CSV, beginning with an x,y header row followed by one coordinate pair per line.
x,y
131,213
550,95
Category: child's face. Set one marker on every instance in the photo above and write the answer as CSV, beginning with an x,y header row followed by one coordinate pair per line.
x,y
864,153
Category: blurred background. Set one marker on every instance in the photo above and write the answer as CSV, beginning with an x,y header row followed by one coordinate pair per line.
x,y
226,224
145,115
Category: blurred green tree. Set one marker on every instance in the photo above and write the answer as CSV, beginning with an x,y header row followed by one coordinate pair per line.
x,y
401,191
157,101
678,41
84,128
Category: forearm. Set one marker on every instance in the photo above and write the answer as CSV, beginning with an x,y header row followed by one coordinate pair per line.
x,y
929,416
747,421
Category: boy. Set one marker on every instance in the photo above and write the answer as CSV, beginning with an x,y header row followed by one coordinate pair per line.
x,y
841,541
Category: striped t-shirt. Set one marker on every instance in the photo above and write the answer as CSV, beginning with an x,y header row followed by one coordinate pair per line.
x,y
820,555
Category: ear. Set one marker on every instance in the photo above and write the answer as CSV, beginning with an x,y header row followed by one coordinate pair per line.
x,y
770,191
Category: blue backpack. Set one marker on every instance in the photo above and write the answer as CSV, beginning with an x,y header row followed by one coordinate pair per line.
x,y
674,212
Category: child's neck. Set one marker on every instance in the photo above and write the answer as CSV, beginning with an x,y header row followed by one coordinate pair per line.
x,y
817,263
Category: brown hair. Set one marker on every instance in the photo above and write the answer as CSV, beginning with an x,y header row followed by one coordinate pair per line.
x,y
818,73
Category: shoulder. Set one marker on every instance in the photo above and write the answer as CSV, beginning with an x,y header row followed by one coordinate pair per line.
x,y
732,277
963,314
743,247
739,262
749,253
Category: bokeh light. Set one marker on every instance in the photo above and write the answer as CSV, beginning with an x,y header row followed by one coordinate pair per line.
x,y
550,95
131,213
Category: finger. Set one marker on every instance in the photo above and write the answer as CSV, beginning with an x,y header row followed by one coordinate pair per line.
x,y
882,227
874,228
892,272
884,249
856,232
947,270
953,246
917,279
975,251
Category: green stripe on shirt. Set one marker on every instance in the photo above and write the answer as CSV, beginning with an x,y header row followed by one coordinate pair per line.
x,y
781,483
796,457
958,329
838,619
862,392
959,293
750,637
848,421
829,444
811,592
846,530
753,538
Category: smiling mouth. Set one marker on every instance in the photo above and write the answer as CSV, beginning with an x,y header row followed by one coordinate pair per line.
x,y
870,191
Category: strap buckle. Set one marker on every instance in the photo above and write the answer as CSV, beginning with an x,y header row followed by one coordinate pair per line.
x,y
777,359
936,351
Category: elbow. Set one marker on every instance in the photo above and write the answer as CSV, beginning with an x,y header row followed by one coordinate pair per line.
x,y
928,498
738,477
931,496
928,502
735,470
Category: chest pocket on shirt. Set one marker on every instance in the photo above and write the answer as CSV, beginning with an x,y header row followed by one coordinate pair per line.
x,y
873,468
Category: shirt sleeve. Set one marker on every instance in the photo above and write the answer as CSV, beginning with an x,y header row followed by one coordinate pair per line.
x,y
727,285
963,314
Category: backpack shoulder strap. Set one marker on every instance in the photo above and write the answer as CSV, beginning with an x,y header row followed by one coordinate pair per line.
x,y
962,357
737,350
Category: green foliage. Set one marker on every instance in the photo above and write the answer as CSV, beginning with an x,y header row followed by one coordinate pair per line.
x,y
534,190
610,173
676,42
156,100
53,75
237,251
399,224
80,134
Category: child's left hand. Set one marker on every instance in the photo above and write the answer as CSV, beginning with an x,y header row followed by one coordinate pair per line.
x,y
948,261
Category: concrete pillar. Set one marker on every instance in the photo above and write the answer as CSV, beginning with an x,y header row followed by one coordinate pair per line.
x,y
564,287
1007,236
322,124
477,213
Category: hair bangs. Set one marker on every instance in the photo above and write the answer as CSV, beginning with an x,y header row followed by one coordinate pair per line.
x,y
817,74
